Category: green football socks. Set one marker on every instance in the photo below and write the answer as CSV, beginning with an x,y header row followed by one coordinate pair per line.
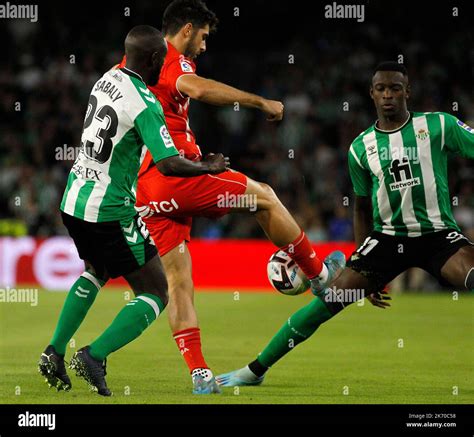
x,y
300,326
130,322
80,298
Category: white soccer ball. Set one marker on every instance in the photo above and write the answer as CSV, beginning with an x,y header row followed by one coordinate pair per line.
x,y
285,275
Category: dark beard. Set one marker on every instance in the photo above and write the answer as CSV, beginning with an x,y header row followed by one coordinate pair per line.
x,y
189,51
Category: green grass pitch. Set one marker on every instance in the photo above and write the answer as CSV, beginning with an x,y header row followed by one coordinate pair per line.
x,y
355,358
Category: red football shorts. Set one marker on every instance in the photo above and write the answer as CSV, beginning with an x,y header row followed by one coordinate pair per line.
x,y
168,203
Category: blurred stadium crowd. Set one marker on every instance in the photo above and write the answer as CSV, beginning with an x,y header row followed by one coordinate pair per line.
x,y
323,82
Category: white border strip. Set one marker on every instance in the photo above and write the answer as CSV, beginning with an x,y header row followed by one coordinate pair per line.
x,y
150,302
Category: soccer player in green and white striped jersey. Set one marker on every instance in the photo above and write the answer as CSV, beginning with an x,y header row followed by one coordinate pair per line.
x,y
98,210
402,214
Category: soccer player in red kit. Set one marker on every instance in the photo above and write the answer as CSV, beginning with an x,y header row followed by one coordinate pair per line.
x,y
167,203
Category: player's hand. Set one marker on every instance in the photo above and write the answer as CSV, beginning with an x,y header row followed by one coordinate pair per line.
x,y
379,299
273,109
218,163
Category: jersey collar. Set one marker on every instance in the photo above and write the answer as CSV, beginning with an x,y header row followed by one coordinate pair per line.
x,y
131,73
172,50
174,53
410,116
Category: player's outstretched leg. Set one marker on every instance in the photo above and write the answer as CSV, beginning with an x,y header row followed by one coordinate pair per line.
x,y
298,328
335,263
150,287
282,229
458,270
183,318
78,302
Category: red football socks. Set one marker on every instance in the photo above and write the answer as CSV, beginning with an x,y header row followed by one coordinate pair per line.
x,y
302,252
189,344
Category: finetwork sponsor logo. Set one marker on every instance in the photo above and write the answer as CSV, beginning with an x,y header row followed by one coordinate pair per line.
x,y
28,12
335,10
401,171
395,186
19,295
34,420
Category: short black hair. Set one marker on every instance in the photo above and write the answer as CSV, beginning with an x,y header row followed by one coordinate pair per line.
x,y
143,31
143,40
391,66
180,12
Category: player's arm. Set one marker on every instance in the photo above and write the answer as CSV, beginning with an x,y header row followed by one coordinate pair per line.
x,y
362,185
179,166
151,127
459,137
363,216
363,224
218,93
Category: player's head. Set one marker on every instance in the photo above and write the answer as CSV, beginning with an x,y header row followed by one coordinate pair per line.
x,y
145,48
390,89
192,22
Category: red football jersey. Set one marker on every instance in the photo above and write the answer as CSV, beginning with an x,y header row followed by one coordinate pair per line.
x,y
175,105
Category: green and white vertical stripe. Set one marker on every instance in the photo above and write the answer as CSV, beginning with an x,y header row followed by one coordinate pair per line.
x,y
381,205
403,198
418,202
425,151
122,118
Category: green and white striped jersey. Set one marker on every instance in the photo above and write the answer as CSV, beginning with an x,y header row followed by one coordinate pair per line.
x,y
405,172
122,118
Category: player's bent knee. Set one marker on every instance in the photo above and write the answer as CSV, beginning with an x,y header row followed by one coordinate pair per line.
x,y
154,282
180,279
162,294
180,286
267,190
266,196
101,275
181,310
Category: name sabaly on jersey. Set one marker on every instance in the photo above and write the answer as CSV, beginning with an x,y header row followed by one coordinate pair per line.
x,y
122,118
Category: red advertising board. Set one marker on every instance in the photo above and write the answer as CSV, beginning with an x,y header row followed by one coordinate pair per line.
x,y
53,263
